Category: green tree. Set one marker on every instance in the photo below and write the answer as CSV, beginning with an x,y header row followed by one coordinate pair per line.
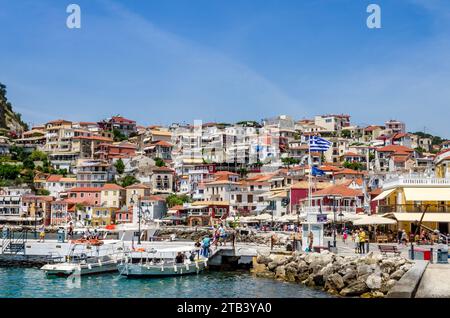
x,y
174,199
159,162
42,192
120,166
118,136
128,180
354,165
289,161
37,155
6,109
346,133
18,153
28,164
9,172
243,172
419,150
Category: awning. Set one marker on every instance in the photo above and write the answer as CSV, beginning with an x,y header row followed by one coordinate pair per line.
x,y
383,195
263,217
373,220
428,217
427,194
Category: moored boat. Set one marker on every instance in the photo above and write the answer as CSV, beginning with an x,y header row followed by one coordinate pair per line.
x,y
88,258
162,262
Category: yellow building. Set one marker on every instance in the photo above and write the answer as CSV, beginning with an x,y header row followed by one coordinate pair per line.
x,y
102,216
442,163
112,196
406,198
136,191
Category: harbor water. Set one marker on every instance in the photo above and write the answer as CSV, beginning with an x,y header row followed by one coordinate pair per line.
x,y
32,283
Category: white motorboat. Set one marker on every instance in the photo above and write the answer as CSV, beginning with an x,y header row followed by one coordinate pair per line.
x,y
162,262
88,258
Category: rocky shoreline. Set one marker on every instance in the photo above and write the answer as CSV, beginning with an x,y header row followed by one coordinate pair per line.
x,y
369,276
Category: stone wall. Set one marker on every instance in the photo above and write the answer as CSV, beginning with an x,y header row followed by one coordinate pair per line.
x,y
370,276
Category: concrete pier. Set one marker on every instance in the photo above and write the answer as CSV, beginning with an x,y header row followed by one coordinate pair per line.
x,y
40,253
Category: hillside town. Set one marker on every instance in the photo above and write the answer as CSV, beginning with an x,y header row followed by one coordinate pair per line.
x,y
115,171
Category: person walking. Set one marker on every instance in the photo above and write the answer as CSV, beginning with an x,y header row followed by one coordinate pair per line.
x,y
357,242
404,237
399,236
344,236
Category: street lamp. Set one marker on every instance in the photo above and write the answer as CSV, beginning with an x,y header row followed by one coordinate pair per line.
x,y
334,222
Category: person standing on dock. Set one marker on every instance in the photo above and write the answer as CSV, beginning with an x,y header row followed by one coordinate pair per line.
x,y
205,245
222,235
198,247
362,241
42,234
70,231
298,240
310,241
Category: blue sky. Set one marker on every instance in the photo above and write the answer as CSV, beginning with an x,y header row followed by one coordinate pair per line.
x,y
228,60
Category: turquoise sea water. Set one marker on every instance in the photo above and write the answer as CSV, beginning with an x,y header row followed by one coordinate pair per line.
x,y
32,283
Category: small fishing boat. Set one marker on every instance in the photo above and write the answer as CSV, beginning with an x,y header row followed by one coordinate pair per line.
x,y
88,257
162,262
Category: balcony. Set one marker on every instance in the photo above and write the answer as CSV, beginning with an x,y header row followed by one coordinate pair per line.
x,y
415,181
413,208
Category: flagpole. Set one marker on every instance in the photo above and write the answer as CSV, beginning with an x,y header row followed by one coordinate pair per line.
x,y
310,172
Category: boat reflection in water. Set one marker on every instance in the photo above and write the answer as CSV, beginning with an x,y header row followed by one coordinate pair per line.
x,y
89,257
162,262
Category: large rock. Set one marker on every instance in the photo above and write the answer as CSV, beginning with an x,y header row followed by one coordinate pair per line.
x,y
387,266
363,270
302,276
265,274
315,267
302,267
406,267
280,272
355,289
292,266
313,257
262,259
326,271
272,266
373,281
397,274
326,257
259,268
318,279
387,285
349,275
335,282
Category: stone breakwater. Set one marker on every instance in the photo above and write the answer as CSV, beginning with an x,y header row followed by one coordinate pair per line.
x,y
370,276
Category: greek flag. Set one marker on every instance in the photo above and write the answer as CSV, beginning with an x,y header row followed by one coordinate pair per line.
x,y
318,144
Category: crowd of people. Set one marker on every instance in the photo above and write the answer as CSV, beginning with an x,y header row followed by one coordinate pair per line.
x,y
218,237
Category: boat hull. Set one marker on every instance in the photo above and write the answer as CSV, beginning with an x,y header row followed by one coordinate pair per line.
x,y
143,270
65,269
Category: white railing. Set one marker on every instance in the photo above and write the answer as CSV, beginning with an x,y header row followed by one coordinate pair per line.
x,y
329,209
416,181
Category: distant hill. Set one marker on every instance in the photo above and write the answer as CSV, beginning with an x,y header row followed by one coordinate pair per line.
x,y
9,120
435,140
